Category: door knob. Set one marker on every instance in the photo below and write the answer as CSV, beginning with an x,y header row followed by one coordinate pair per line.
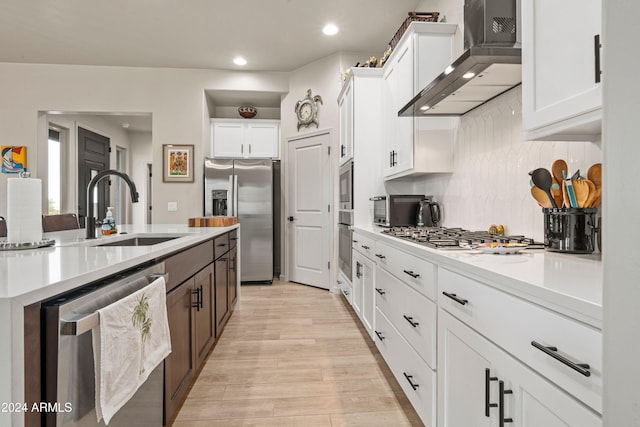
x,y
291,219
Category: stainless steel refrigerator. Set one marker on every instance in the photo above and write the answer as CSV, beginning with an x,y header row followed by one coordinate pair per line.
x,y
244,188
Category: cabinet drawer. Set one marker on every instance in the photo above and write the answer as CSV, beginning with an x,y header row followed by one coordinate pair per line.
x,y
363,244
416,272
346,289
185,264
413,315
221,245
233,238
414,376
515,325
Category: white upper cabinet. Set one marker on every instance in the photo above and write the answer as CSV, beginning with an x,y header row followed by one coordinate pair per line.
x,y
237,138
345,105
424,51
561,87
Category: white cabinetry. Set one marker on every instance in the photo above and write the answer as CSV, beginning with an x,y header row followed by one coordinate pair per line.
x,y
363,280
237,138
405,324
561,91
424,51
481,385
509,377
361,136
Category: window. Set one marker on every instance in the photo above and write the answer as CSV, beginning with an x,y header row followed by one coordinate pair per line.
x,y
54,180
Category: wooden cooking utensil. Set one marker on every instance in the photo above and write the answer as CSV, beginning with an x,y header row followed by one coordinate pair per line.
x,y
581,190
540,196
595,174
557,167
596,200
556,192
592,193
542,178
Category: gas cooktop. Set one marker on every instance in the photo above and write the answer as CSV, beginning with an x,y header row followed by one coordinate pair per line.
x,y
455,238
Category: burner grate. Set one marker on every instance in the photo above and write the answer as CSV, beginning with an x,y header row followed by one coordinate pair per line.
x,y
455,238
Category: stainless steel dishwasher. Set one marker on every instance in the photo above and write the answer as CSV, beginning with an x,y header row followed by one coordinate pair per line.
x,y
69,379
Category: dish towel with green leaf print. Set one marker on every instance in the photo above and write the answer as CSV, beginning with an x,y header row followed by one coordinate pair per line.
x,y
132,339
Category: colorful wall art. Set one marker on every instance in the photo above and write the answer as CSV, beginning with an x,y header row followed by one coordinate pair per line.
x,y
14,158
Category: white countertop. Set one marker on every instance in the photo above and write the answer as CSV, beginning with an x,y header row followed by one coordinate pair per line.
x,y
31,275
568,283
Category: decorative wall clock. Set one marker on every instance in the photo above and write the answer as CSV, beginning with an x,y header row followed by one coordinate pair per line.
x,y
307,110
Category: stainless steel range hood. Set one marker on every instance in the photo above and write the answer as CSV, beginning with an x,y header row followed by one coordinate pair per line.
x,y
489,66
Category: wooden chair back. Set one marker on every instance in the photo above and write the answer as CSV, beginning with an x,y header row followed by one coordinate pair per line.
x,y
67,221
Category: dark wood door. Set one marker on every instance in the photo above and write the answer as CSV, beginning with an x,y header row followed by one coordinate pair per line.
x,y
93,157
179,366
233,277
221,292
204,313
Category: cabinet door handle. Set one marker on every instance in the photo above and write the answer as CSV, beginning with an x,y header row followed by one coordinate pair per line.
x,y
381,256
596,50
487,391
198,293
501,419
390,159
365,247
380,291
456,298
410,320
413,385
582,368
241,148
249,148
342,147
394,162
380,336
358,272
412,274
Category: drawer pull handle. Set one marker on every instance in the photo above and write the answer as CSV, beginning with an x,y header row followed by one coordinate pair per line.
x,y
410,320
365,247
456,298
354,241
380,291
582,368
381,256
233,238
413,385
487,390
501,419
380,336
412,274
221,245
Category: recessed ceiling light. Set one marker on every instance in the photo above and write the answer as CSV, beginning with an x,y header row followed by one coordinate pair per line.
x,y
424,107
330,29
448,70
468,75
239,61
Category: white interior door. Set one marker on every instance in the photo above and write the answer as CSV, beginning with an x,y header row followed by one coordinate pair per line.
x,y
308,216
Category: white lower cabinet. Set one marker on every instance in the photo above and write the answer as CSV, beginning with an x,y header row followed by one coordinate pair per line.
x,y
480,385
363,289
415,377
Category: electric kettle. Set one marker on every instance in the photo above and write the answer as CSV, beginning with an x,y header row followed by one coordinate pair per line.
x,y
428,213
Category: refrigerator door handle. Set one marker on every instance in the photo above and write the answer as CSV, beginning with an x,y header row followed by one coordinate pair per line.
x,y
235,195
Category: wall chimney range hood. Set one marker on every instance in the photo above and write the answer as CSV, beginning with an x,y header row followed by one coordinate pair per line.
x,y
489,66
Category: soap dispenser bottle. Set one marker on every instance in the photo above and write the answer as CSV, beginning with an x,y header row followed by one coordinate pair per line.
x,y
109,223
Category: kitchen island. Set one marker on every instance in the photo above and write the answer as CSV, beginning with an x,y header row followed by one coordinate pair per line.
x,y
30,276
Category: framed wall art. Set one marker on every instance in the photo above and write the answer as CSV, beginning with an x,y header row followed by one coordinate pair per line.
x,y
177,163
14,158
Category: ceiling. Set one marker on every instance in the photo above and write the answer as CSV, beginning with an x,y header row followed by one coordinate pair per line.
x,y
273,35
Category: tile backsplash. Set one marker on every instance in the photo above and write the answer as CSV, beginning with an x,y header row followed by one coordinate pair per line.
x,y
490,182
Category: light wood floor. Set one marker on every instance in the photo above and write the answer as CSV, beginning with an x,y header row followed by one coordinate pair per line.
x,y
294,355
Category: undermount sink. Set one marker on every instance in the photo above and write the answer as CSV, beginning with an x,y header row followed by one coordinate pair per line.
x,y
140,241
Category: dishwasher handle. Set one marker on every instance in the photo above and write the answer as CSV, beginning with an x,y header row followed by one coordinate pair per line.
x,y
84,323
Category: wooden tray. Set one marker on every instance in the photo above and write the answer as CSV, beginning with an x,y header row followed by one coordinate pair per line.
x,y
213,221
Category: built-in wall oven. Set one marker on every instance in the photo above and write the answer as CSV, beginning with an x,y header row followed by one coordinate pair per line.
x,y
346,186
345,220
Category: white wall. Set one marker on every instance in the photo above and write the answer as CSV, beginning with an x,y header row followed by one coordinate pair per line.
x,y
490,182
451,11
174,97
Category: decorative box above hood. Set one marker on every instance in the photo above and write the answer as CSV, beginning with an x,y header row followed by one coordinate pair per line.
x,y
489,66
